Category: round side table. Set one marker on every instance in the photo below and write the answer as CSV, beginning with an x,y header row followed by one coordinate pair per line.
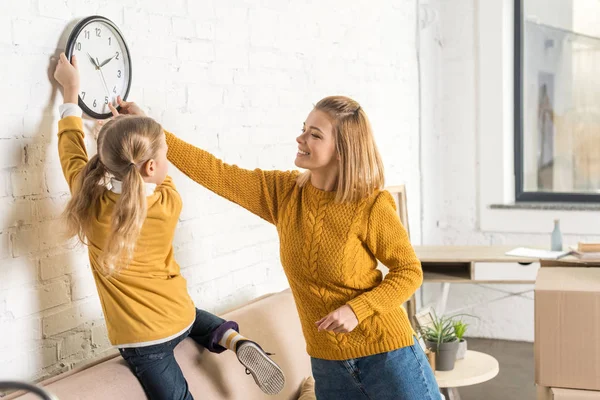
x,y
475,368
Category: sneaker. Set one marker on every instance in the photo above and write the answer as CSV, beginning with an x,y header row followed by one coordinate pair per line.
x,y
267,375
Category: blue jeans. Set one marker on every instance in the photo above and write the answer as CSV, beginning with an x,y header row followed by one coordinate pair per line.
x,y
402,374
155,366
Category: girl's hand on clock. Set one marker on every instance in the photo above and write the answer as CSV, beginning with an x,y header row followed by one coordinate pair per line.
x,y
67,74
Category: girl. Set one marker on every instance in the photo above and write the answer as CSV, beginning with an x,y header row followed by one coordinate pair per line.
x,y
334,223
128,230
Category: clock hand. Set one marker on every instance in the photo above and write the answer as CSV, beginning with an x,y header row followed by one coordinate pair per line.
x,y
104,83
93,61
102,75
107,61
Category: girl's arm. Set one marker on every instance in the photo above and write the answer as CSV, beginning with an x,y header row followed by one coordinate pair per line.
x,y
260,192
388,241
71,147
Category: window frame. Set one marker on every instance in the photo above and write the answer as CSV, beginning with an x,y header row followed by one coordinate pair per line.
x,y
520,194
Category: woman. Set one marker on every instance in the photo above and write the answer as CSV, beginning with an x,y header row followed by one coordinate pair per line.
x,y
334,222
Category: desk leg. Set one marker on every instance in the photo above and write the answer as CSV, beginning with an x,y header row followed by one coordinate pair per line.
x,y
451,393
411,310
419,298
440,309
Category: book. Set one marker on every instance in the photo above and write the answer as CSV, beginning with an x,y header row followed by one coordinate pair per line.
x,y
537,253
588,247
585,255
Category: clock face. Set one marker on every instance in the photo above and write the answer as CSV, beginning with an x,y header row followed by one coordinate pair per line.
x,y
104,65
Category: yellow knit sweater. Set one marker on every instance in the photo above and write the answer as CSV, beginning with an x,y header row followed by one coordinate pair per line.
x,y
329,251
148,300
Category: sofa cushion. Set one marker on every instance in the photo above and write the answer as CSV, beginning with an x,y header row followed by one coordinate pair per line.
x,y
272,321
307,392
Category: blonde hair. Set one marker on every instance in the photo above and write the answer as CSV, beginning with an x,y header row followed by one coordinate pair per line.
x,y
360,165
124,144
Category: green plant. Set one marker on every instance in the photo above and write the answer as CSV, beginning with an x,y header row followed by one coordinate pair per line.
x,y
460,328
439,330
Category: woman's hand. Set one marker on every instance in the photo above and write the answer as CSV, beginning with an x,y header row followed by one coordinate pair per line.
x,y
67,75
342,320
127,107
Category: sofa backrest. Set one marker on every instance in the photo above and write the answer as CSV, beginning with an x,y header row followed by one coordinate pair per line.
x,y
272,321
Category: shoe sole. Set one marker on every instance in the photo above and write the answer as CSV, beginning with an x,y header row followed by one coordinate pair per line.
x,y
267,375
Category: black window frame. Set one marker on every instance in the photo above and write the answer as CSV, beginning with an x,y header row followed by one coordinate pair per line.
x,y
520,194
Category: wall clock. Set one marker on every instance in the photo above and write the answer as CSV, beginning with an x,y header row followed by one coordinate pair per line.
x,y
104,64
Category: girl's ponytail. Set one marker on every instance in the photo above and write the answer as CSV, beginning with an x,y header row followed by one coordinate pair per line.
x,y
91,185
128,217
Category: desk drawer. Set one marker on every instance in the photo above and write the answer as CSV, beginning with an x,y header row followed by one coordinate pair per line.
x,y
505,271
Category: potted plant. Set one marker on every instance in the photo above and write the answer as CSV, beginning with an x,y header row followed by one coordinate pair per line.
x,y
439,336
460,328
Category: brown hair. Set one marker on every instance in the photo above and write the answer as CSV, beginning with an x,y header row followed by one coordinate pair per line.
x,y
360,165
124,145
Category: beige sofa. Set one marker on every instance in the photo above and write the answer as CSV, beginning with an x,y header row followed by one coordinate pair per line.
x,y
271,320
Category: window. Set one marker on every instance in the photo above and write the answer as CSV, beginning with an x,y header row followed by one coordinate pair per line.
x,y
557,100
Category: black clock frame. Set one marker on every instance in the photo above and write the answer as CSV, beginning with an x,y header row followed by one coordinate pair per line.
x,y
69,52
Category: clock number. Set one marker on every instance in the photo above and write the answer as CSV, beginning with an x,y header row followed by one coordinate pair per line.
x,y
117,57
82,95
105,99
78,46
98,30
109,41
115,89
118,73
86,34
95,103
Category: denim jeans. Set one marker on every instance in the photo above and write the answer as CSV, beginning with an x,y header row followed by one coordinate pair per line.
x,y
402,374
156,368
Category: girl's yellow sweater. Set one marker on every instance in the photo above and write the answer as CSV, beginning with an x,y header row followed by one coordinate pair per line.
x,y
329,251
148,300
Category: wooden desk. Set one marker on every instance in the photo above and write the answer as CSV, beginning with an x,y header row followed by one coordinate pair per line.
x,y
457,264
470,264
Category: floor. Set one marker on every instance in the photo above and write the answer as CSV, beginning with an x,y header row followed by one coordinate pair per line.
x,y
515,381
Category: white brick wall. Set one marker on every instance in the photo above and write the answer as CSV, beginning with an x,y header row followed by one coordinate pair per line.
x,y
237,78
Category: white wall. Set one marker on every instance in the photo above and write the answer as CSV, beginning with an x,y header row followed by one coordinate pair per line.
x,y
235,77
456,189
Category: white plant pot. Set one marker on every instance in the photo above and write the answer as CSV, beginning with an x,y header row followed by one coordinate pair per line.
x,y
462,349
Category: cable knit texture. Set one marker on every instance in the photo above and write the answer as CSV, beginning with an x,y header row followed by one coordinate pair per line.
x,y
147,300
329,251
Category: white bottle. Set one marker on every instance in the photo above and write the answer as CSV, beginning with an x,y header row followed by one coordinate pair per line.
x,y
556,243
